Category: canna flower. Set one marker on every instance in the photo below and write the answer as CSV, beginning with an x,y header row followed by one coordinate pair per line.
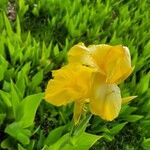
x,y
114,62
84,85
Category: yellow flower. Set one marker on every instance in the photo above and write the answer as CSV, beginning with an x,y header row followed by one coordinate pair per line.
x,y
112,61
81,84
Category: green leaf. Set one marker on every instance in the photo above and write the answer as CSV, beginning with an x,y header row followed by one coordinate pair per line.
x,y
61,142
116,129
127,110
22,78
20,134
7,144
21,83
133,118
54,135
15,99
23,8
18,28
143,87
56,50
86,140
6,98
37,79
27,108
8,26
82,142
3,4
20,147
11,49
3,67
2,117
146,144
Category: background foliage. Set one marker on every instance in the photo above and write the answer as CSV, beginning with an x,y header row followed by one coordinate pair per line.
x,y
35,36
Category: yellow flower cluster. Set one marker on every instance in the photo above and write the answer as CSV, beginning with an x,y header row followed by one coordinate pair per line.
x,y
91,76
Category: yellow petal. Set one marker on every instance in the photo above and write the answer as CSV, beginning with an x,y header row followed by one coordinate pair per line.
x,y
98,53
78,109
128,99
118,64
59,97
112,61
71,82
80,54
122,78
105,100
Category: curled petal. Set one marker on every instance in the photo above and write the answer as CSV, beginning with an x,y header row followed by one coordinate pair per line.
x,y
121,78
98,53
80,54
118,64
105,100
113,61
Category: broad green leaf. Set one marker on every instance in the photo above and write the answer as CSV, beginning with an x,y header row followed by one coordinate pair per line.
x,y
82,142
54,135
133,118
116,129
27,108
6,98
86,141
146,144
7,144
20,134
61,142
7,86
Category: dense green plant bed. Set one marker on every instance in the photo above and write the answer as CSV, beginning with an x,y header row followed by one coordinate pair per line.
x,y
36,41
